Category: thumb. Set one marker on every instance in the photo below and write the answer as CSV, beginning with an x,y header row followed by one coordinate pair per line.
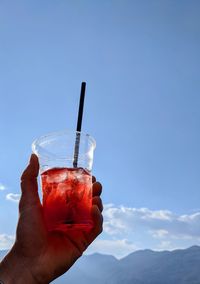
x,y
31,172
29,186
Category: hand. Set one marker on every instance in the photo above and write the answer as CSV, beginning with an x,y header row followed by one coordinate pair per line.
x,y
45,255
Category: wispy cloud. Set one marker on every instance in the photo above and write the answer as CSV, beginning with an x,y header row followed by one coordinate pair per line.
x,y
13,197
127,229
158,223
168,245
2,186
6,241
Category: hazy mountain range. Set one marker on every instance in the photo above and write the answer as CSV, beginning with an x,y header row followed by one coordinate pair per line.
x,y
140,267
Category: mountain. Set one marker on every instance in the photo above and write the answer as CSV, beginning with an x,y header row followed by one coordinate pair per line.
x,y
140,267
90,269
150,267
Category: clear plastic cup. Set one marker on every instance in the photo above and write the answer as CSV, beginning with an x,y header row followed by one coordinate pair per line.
x,y
66,160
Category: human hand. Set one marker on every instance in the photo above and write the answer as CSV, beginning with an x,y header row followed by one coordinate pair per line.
x,y
42,255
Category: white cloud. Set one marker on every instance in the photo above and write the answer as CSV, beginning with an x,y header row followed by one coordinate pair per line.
x,y
159,234
169,245
6,241
158,223
2,187
13,197
127,229
118,248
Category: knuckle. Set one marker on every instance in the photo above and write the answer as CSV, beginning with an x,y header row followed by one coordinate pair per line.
x,y
100,230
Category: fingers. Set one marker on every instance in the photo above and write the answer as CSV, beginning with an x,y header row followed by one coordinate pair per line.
x,y
96,189
98,221
97,201
98,224
96,192
29,186
97,208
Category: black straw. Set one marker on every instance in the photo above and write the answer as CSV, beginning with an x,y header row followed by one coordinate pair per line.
x,y
79,124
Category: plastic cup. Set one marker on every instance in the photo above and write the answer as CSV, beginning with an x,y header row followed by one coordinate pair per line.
x,y
67,190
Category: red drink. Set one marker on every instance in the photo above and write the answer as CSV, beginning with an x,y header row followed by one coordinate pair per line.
x,y
67,198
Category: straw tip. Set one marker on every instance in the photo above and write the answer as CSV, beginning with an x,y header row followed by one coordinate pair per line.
x,y
83,83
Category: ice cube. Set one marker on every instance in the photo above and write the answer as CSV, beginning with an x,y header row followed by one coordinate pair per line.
x,y
63,187
57,177
81,176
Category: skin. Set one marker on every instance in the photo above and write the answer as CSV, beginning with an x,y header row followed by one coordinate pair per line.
x,y
39,256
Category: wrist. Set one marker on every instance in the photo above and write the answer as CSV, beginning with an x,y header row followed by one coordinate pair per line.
x,y
14,270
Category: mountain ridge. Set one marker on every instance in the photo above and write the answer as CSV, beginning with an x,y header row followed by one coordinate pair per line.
x,y
140,267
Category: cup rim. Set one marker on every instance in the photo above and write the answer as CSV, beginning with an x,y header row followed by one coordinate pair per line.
x,y
38,141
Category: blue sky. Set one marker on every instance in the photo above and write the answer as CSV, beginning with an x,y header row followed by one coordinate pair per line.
x,y
141,61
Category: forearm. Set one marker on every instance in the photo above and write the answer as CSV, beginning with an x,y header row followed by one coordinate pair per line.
x,y
14,270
